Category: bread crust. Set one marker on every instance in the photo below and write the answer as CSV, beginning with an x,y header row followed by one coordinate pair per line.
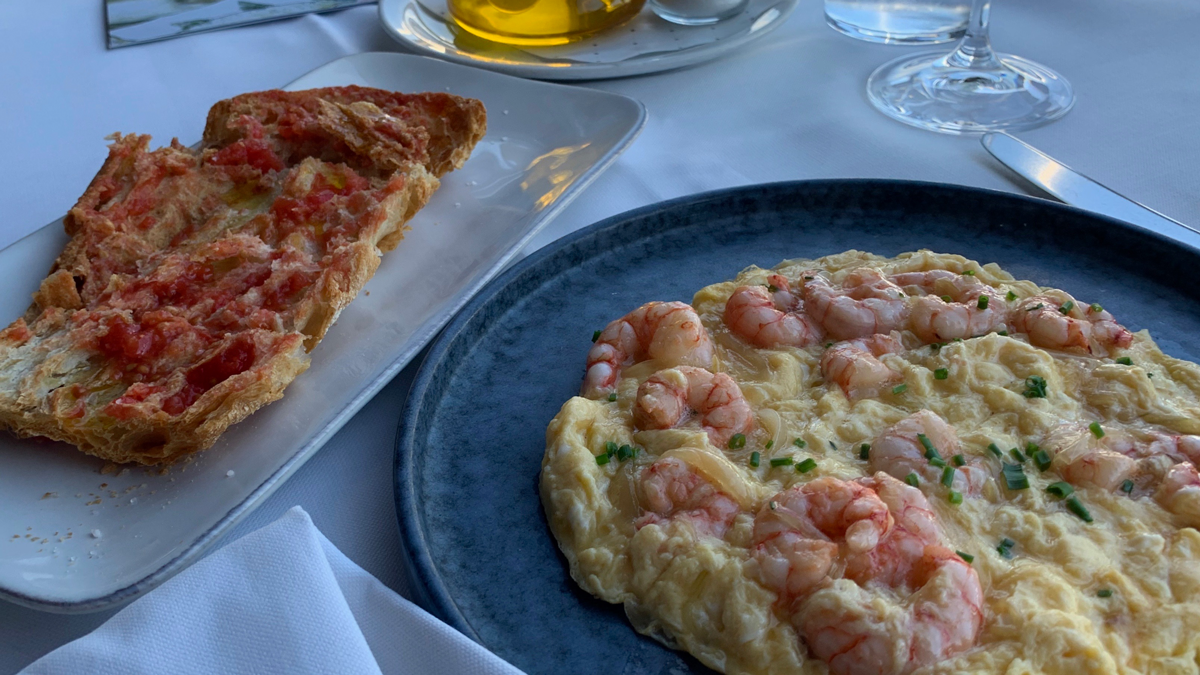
x,y
196,281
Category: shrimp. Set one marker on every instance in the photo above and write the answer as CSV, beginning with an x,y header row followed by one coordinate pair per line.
x,y
1107,462
915,527
670,489
954,308
667,399
899,451
866,304
1156,459
667,331
857,631
1179,493
855,366
799,533
1089,331
770,319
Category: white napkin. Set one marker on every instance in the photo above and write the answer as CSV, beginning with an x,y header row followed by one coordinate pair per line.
x,y
280,600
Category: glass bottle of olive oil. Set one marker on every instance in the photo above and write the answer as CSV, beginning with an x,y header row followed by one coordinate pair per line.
x,y
540,22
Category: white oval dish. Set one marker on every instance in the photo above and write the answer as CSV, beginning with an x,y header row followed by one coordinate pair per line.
x,y
646,44
74,539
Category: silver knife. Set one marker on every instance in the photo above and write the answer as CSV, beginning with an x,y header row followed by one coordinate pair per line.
x,y
1073,187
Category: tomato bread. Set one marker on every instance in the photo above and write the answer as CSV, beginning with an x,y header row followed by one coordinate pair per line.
x,y
196,281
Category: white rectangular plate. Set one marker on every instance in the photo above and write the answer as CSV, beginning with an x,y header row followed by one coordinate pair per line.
x,y
75,540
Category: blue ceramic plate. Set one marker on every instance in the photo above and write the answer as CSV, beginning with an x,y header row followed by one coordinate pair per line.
x,y
472,435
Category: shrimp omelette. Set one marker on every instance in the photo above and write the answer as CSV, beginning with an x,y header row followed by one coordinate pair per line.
x,y
859,464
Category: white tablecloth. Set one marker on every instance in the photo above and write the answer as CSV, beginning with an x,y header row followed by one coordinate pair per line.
x,y
788,107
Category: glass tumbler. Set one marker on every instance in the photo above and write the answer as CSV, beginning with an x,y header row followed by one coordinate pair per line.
x,y
540,22
697,12
900,21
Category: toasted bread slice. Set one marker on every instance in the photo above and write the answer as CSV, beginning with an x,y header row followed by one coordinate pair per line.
x,y
451,125
196,281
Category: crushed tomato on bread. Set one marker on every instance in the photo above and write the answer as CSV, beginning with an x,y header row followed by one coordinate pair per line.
x,y
196,281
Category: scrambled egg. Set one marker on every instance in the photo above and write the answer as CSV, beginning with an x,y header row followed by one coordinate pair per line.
x,y
1061,595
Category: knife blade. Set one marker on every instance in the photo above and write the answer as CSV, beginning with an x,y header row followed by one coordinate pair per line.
x,y
1073,187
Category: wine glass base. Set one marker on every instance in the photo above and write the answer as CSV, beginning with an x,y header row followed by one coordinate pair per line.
x,y
927,91
891,38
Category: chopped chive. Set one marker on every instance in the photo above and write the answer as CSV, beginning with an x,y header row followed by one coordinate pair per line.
x,y
799,443
624,452
1031,449
1104,593
899,389
808,278
1017,455
995,449
1011,296
1035,387
982,303
930,451
1067,307
941,374
1149,374
1096,307
1002,332
1125,361
1075,506
1005,547
807,465
955,498
772,288
737,441
1061,489
1035,307
935,346
1041,458
782,461
948,476
958,460
602,459
595,335
912,479
967,557
969,273
864,451
946,298
1096,430
1014,477
770,443
1127,486
612,396
937,461
755,458
833,445
610,448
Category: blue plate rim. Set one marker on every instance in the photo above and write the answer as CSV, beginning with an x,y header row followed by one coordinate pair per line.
x,y
424,581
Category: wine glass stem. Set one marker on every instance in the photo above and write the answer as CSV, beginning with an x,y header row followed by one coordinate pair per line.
x,y
974,51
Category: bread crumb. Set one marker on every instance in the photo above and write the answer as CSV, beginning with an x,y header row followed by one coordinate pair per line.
x,y
50,495
107,469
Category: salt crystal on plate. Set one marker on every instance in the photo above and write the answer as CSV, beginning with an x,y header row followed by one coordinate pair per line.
x,y
96,534
229,473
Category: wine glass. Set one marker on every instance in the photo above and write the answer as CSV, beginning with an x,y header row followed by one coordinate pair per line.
x,y
971,90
